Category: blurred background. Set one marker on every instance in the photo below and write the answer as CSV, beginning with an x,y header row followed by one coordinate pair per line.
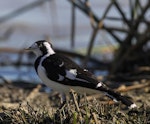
x,y
109,37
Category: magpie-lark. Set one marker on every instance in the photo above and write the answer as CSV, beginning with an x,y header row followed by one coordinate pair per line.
x,y
62,74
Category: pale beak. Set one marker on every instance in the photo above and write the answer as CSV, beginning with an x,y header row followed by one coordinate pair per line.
x,y
28,49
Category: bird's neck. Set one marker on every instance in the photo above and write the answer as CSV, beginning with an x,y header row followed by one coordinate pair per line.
x,y
50,51
46,52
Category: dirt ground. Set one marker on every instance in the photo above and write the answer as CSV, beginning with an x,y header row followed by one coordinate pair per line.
x,y
28,103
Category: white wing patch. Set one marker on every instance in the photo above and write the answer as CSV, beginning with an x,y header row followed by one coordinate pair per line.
x,y
71,74
73,71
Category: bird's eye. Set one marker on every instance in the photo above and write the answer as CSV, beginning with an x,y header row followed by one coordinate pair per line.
x,y
40,45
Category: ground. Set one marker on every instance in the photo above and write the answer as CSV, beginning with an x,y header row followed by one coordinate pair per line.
x,y
27,103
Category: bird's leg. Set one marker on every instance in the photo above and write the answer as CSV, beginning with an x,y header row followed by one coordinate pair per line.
x,y
61,110
79,98
62,100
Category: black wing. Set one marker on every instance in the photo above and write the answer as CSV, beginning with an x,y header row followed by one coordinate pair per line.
x,y
59,65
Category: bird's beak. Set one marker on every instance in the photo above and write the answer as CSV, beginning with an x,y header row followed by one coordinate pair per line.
x,y
31,48
28,49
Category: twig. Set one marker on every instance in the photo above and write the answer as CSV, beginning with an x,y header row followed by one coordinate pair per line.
x,y
22,9
96,96
142,14
75,100
123,56
114,18
7,33
9,105
115,29
144,68
121,12
133,87
139,4
113,35
107,9
84,8
95,118
4,80
95,31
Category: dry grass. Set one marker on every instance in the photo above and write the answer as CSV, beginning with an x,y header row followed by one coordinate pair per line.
x,y
43,109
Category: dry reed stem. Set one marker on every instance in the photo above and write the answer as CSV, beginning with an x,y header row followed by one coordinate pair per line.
x,y
75,100
95,118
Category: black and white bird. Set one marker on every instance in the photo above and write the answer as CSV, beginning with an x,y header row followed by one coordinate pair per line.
x,y
62,74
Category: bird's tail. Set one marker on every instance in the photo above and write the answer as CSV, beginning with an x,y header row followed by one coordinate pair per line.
x,y
115,96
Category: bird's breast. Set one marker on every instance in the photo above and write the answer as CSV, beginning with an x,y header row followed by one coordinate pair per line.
x,y
51,84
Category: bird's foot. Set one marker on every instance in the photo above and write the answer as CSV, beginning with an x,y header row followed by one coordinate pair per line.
x,y
63,104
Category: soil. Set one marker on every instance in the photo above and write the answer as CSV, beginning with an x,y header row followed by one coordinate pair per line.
x,y
31,98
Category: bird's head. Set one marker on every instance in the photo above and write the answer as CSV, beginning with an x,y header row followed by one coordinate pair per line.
x,y
41,48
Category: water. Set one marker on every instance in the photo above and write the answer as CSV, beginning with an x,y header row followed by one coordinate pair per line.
x,y
51,20
25,71
12,71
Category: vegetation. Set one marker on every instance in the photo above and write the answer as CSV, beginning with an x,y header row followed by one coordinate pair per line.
x,y
31,106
